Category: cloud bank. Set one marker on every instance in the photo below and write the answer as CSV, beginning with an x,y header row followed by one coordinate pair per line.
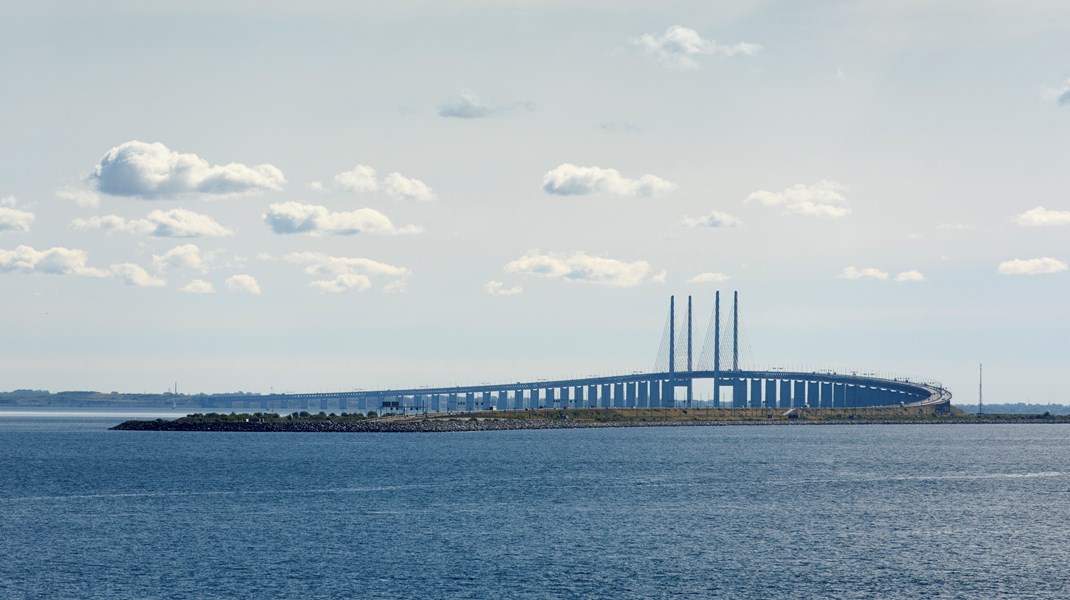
x,y
821,199
1042,217
363,179
716,218
709,278
571,180
679,47
174,223
1032,266
342,273
71,261
580,267
153,171
13,219
296,217
497,288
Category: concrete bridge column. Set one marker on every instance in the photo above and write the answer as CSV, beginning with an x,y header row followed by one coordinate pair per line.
x,y
618,395
631,392
643,394
533,398
667,394
812,399
451,402
566,396
550,397
739,393
785,393
655,394
851,395
770,393
604,397
827,391
755,393
798,394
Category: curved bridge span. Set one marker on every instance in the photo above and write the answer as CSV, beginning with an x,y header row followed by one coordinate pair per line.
x,y
671,384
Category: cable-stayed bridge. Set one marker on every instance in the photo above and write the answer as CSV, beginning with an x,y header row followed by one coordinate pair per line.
x,y
671,383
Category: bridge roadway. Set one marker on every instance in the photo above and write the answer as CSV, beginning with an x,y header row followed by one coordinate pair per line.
x,y
748,389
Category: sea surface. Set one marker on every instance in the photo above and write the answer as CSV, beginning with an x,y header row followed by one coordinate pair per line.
x,y
857,511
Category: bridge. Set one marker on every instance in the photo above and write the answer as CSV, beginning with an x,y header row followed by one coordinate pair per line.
x,y
670,384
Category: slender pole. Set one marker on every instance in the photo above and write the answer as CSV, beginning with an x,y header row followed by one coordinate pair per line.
x,y
672,334
717,332
980,389
735,331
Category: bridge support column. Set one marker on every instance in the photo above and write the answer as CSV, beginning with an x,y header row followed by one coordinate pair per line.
x,y
604,397
770,393
851,395
827,389
739,393
591,399
618,395
655,394
785,393
668,394
566,396
643,394
812,398
755,393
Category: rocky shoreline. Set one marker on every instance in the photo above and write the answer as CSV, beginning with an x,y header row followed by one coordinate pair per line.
x,y
459,425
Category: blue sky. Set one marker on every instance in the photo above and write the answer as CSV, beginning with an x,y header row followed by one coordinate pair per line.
x,y
256,196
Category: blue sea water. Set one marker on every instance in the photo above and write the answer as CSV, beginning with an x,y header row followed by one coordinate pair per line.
x,y
737,512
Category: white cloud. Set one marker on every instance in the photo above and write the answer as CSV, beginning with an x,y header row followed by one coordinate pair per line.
x,y
134,275
155,171
198,286
709,278
570,180
343,282
497,288
317,186
679,47
186,256
13,219
53,261
243,283
909,276
297,217
1032,266
714,219
363,178
1060,95
341,273
359,179
821,199
582,268
1042,217
175,222
83,198
466,105
398,286
864,273
406,188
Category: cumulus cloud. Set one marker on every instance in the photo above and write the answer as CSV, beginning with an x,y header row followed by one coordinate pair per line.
x,y
175,223
863,273
714,219
13,219
1032,266
198,286
150,171
570,180
580,267
821,199
52,261
134,275
362,179
359,179
246,284
342,273
709,278
1042,217
680,47
909,276
186,256
296,217
83,198
466,105
497,288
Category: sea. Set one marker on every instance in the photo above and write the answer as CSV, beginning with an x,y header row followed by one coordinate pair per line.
x,y
814,511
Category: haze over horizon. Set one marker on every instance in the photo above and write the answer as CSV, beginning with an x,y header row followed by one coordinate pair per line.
x,y
258,196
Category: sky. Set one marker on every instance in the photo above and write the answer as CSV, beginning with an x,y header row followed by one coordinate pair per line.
x,y
320,196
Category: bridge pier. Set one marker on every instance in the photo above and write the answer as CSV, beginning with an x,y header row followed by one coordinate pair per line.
x,y
770,393
618,395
